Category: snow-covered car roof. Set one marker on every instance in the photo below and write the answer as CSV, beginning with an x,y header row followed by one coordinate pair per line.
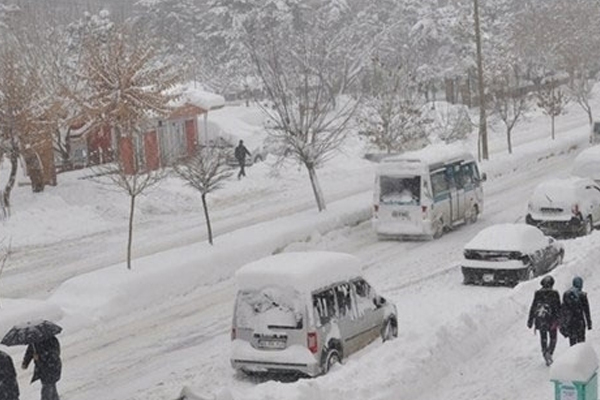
x,y
509,237
559,190
587,163
304,271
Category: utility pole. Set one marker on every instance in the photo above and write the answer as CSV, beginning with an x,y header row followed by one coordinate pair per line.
x,y
483,138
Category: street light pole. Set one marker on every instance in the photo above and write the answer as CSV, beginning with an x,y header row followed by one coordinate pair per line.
x,y
482,116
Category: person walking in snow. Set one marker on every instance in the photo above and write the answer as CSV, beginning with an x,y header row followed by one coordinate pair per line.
x,y
544,314
48,366
240,155
9,387
575,313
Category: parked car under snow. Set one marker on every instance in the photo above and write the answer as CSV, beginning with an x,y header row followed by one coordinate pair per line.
x,y
565,207
509,253
304,312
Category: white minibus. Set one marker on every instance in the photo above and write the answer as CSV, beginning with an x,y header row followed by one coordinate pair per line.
x,y
427,192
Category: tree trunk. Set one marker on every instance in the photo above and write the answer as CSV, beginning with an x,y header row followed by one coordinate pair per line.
x,y
316,188
130,239
509,140
14,165
208,227
590,117
552,118
480,83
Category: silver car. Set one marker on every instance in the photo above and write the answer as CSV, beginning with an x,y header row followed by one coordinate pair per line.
x,y
304,312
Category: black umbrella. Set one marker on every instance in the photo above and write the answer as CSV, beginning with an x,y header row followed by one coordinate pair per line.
x,y
30,332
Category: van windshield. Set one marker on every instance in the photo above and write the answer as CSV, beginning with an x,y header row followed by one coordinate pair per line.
x,y
404,191
271,308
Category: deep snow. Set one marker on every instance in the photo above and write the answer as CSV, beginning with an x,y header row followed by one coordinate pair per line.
x,y
146,333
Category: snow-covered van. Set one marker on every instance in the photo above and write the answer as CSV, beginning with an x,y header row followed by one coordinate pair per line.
x,y
424,193
303,312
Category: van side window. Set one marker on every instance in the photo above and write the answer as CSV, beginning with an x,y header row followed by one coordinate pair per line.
x,y
467,175
364,296
459,178
439,184
344,300
324,305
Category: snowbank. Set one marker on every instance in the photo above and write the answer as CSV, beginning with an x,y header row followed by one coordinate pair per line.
x,y
117,290
577,364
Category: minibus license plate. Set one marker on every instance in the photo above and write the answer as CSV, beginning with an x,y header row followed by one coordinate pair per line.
x,y
271,344
400,214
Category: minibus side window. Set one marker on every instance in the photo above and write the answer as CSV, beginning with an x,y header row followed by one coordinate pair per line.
x,y
324,305
439,184
467,174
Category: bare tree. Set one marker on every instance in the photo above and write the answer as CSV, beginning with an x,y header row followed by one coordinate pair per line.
x,y
552,100
132,177
126,87
390,116
126,81
205,171
7,251
580,85
304,114
508,104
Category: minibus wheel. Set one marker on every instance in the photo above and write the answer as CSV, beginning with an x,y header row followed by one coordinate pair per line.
x,y
438,229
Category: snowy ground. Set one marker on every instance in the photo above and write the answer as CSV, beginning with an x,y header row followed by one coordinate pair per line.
x,y
472,342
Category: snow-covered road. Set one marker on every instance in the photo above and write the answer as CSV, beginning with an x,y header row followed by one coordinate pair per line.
x,y
152,354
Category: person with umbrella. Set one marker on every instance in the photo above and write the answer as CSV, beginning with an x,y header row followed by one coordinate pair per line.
x,y
9,387
43,348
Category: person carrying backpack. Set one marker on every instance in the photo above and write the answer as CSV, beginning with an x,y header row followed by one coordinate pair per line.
x,y
544,313
575,313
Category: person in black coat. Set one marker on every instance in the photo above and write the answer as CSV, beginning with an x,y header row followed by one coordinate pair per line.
x,y
544,313
575,313
48,366
9,387
240,155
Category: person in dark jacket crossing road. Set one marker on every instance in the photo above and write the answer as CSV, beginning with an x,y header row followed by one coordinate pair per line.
x,y
48,366
240,155
9,387
575,313
544,313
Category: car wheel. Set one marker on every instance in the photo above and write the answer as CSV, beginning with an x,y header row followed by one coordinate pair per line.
x,y
389,330
530,273
473,215
560,258
332,358
589,226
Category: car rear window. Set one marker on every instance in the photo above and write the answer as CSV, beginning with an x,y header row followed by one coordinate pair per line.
x,y
271,308
404,191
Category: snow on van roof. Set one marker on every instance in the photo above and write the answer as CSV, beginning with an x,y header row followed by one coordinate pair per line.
x,y
433,154
304,271
509,237
587,163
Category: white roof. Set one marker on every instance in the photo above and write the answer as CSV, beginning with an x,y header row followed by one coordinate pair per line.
x,y
192,93
587,163
304,271
429,156
509,237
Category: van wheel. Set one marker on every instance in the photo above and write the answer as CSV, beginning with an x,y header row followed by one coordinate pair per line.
x,y
438,229
332,358
389,330
473,215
